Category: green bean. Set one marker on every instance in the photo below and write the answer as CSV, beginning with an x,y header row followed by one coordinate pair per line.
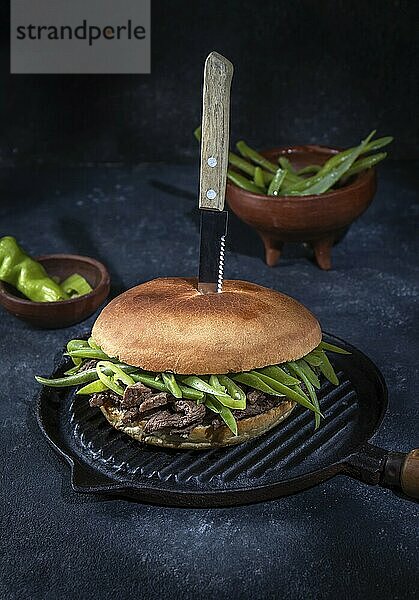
x,y
74,369
311,391
92,388
225,413
332,348
276,372
258,178
157,384
197,383
254,380
90,353
285,164
362,164
276,183
257,158
242,164
292,394
79,378
232,388
313,359
93,344
327,370
76,345
309,169
329,177
370,146
172,385
309,373
243,182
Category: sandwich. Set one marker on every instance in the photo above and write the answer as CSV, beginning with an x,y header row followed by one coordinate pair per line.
x,y
175,368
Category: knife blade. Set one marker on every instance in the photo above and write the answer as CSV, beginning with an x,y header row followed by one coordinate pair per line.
x,y
218,73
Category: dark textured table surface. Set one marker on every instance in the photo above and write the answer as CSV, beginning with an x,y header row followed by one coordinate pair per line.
x,y
341,539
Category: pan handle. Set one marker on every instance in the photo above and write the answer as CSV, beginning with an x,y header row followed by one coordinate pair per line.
x,y
402,470
377,466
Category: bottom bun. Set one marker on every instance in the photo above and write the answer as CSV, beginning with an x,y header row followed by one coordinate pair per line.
x,y
203,437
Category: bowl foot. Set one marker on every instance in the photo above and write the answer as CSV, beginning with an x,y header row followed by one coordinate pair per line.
x,y
273,249
322,252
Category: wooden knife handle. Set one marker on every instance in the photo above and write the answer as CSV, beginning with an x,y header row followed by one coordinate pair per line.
x,y
215,133
409,476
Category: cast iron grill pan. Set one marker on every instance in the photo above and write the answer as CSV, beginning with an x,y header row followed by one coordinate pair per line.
x,y
290,458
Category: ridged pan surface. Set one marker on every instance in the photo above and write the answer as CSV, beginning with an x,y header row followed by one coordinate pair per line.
x,y
290,457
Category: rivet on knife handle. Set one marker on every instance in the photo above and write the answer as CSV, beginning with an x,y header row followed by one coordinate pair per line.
x,y
215,134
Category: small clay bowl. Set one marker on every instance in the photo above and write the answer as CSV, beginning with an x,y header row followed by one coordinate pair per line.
x,y
319,220
51,315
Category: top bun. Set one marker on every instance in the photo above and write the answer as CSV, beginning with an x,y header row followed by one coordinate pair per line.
x,y
168,325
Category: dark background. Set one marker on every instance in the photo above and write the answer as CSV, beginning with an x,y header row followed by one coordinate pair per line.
x,y
305,71
323,71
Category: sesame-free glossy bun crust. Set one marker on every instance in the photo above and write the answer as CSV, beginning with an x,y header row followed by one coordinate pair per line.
x,y
168,325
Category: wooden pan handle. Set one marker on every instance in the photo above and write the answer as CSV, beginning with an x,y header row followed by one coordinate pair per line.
x,y
409,476
402,470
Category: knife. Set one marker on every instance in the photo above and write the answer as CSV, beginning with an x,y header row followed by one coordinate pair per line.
x,y
215,138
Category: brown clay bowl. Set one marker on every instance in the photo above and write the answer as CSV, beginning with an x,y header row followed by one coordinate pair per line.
x,y
318,220
51,315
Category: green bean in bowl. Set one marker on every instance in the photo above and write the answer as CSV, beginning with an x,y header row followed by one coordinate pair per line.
x,y
251,171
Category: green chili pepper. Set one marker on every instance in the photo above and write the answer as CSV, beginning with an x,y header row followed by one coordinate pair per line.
x,y
276,372
257,158
225,413
76,285
276,183
223,396
243,182
232,388
254,380
332,348
27,275
172,385
92,344
118,375
92,388
259,179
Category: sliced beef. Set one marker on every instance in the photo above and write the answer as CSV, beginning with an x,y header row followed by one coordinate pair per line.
x,y
101,398
186,413
154,401
90,364
257,403
130,415
254,397
134,395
